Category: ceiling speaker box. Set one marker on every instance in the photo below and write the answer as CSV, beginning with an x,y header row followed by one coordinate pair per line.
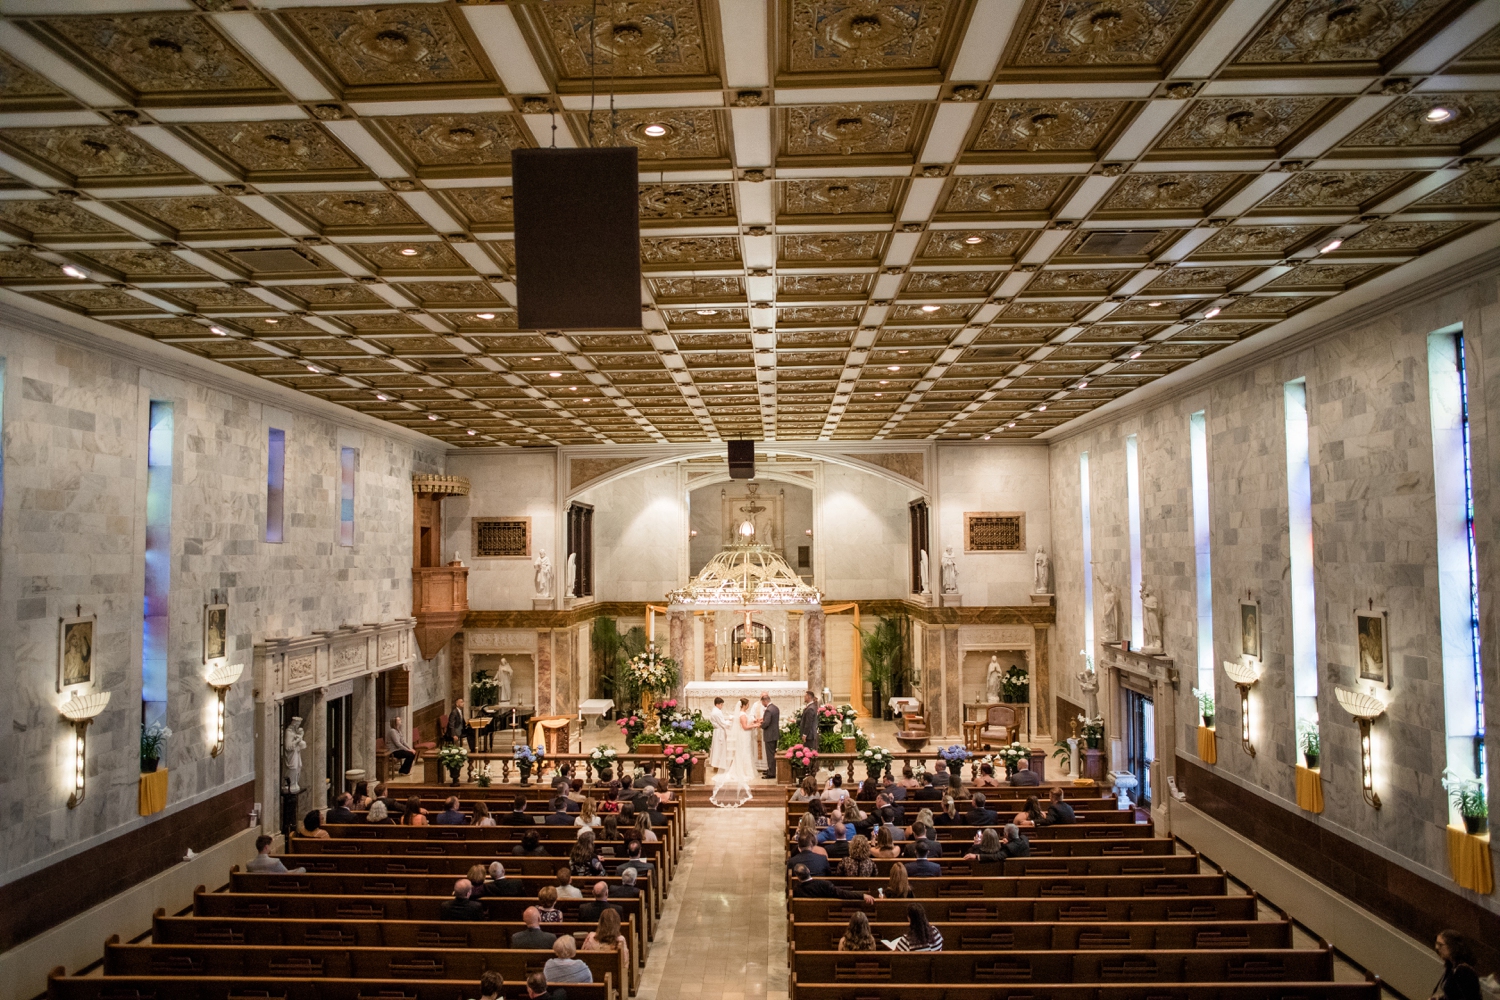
x,y
578,239
741,459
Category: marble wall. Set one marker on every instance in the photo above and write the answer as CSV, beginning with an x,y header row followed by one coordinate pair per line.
x,y
1374,541
72,538
982,477
521,483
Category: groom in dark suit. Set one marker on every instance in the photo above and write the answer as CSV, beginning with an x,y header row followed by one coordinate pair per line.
x,y
808,725
770,731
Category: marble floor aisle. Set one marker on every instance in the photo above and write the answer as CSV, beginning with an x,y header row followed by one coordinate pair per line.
x,y
723,932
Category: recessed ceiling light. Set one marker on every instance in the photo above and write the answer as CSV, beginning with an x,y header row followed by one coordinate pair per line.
x,y
573,388
1134,355
382,397
1439,114
471,433
893,368
1039,409
708,312
1011,424
432,416
408,251
1211,313
971,240
73,272
931,309
312,368
986,437
218,331
903,352
1083,385
655,130
880,394
536,359
584,400
1331,245
554,374
485,315
885,381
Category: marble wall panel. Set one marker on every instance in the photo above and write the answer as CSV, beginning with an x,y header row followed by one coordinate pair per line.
x,y
518,484
984,477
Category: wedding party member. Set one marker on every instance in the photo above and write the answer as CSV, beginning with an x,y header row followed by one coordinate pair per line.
x,y
807,725
720,749
732,785
770,731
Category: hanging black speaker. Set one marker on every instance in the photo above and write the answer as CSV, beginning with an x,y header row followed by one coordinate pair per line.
x,y
741,459
578,238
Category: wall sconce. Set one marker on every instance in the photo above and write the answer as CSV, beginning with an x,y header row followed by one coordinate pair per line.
x,y
81,710
1244,677
221,678
1365,708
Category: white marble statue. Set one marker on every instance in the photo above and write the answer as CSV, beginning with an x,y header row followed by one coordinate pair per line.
x,y
1088,683
503,677
949,571
1110,604
925,572
543,567
994,678
1151,620
1042,572
292,745
572,574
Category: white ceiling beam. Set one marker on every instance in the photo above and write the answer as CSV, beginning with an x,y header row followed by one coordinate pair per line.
x,y
1154,117
195,162
275,59
752,137
1361,110
1222,39
945,140
984,40
366,147
1461,33
501,38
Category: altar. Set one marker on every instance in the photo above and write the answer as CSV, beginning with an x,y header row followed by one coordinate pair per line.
x,y
787,695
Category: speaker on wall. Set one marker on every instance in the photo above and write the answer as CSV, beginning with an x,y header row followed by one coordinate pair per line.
x,y
578,238
741,459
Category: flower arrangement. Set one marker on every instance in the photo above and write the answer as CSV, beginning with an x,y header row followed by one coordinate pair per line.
x,y
876,760
602,757
530,756
1093,731
485,777
1205,705
1011,756
954,755
677,755
153,742
453,756
803,758
652,673
632,727
849,717
1014,683
829,718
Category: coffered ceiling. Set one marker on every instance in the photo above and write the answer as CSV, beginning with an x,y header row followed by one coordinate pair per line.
x,y
861,219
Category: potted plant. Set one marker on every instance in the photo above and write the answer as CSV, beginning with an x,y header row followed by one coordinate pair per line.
x,y
1093,732
804,760
632,726
153,741
1310,742
451,757
1205,706
483,690
877,761
526,759
1468,795
955,755
484,776
1063,754
1015,683
603,760
679,762
1011,756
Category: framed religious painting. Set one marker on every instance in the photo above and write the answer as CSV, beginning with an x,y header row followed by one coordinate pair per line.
x,y
1373,637
215,629
1250,629
75,651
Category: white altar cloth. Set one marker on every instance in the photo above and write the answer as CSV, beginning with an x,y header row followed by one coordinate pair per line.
x,y
786,694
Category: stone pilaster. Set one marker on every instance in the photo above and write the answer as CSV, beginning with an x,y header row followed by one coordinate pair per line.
x,y
952,694
544,672
679,631
1041,681
362,753
816,624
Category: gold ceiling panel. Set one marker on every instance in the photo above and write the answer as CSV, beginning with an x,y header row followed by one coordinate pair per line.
x,y
21,87
99,301
53,219
706,289
1267,306
201,217
1477,189
1153,309
946,312
877,39
409,259
1471,119
1095,38
1347,190
1199,279
974,245
797,316
870,130
1093,280
1233,126
707,316
97,153
689,134
1045,311
1402,237
853,196
646,41
484,207
144,265
1028,196
798,287
394,47
827,248
216,297
449,294
1010,130
357,211
279,150
176,58
458,142
1254,241
674,202
335,296
1170,194
949,282
1322,277
1341,36
676,251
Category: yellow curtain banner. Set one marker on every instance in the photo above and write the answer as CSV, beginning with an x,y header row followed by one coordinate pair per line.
x,y
1208,747
154,792
1469,858
1310,789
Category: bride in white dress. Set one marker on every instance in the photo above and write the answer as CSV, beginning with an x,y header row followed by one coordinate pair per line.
x,y
732,785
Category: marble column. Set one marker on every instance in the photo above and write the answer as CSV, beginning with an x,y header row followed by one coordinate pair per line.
x,y
1041,677
362,753
816,623
564,673
952,694
710,647
679,630
796,629
314,775
698,655
544,671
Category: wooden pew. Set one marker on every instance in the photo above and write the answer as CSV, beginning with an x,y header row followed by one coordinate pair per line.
x,y
456,867
1117,991
1041,885
954,866
557,840
1196,966
1133,936
62,987
351,933
1056,847
1155,909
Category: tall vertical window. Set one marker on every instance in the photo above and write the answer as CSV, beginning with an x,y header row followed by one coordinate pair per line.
x,y
1458,577
1088,555
1203,571
1133,502
158,564
348,465
1300,533
275,483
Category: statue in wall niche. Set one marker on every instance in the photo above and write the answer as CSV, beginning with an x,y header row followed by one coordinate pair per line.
x,y
572,574
950,571
1042,572
1151,620
924,571
543,567
503,678
292,745
994,679
1088,683
1110,605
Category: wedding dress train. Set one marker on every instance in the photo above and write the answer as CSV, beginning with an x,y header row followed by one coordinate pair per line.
x,y
732,785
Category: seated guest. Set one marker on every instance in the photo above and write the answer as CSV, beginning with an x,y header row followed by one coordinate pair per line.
x,y
1015,845
414,814
342,811
498,885
836,794
920,831
312,826
564,966
920,935
978,815
807,887
868,790
815,859
263,863
988,848
565,887
1058,811
377,813
537,988
491,985
885,844
382,794
1031,813
858,864
397,745
861,821
451,814
560,815
643,831
808,826
986,777
897,791
477,876
858,937
890,819
627,889
653,811
817,812
610,804
1460,980
482,817
588,815
633,860
1024,774
908,779
646,778
928,792
899,886
922,867
607,935
807,791
546,908
517,815
609,832
583,859
530,845
836,832
595,907
462,906
362,797
955,783
949,816
941,776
